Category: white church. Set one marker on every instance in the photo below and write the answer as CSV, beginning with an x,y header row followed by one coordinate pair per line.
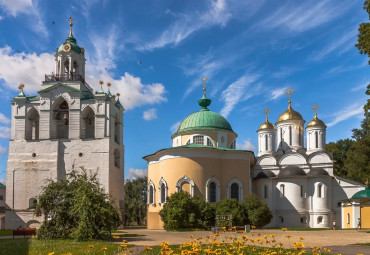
x,y
66,126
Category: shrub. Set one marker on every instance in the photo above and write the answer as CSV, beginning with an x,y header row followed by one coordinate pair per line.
x,y
232,207
258,212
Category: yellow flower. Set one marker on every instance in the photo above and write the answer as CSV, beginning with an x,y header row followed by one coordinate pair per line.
x,y
51,253
289,236
147,248
104,248
115,237
284,229
91,246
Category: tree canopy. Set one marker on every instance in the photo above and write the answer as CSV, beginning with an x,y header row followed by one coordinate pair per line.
x,y
363,39
76,207
135,201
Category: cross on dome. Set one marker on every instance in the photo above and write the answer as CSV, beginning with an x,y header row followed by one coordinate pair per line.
x,y
315,107
204,83
267,111
289,92
70,24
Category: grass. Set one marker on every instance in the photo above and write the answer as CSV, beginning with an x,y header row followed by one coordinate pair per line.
x,y
6,232
32,246
302,229
362,244
136,227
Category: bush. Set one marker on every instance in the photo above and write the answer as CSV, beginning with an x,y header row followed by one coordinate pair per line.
x,y
258,212
232,207
76,208
183,211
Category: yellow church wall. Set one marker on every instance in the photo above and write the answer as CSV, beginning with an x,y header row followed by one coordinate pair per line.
x,y
365,217
347,210
199,170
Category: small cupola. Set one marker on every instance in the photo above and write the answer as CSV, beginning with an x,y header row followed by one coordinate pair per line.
x,y
266,136
316,133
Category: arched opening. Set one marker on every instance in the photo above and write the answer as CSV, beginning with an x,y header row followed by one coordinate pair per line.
x,y
32,124
163,189
316,139
198,139
235,191
66,68
282,190
151,191
60,121
87,123
212,192
266,142
32,203
116,158
75,69
185,184
320,220
116,129
290,135
319,190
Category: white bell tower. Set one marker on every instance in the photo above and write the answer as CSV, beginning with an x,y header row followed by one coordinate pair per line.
x,y
316,133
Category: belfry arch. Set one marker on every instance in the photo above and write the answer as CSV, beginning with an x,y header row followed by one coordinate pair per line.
x,y
87,123
60,119
32,124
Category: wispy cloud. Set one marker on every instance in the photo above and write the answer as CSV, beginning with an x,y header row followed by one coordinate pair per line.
x,y
216,14
150,114
285,71
4,132
246,145
363,86
4,119
236,92
342,44
134,173
303,17
277,93
346,113
175,126
2,150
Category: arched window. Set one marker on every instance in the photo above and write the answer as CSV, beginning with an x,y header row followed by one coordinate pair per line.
x,y
32,203
300,135
198,139
151,191
319,190
282,190
265,191
266,142
185,184
116,158
290,135
348,219
232,145
32,124
163,191
116,129
213,190
316,139
87,123
320,220
235,189
66,68
209,142
301,189
60,120
75,67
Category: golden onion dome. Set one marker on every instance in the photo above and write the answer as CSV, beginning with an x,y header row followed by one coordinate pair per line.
x,y
290,114
266,125
316,122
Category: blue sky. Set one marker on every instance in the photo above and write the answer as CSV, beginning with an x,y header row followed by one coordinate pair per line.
x,y
156,52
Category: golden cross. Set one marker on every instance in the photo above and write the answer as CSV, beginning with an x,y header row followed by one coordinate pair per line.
x,y
204,83
289,93
70,24
315,107
267,111
21,86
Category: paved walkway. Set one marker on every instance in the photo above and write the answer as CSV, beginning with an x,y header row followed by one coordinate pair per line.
x,y
339,241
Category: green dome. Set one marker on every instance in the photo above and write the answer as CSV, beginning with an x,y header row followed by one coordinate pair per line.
x,y
204,119
362,194
73,43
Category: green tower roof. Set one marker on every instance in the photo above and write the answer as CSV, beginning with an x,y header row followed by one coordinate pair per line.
x,y
204,119
362,194
70,43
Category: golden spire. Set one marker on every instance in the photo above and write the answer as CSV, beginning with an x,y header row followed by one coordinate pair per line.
x,y
267,111
315,107
21,86
70,24
204,84
289,92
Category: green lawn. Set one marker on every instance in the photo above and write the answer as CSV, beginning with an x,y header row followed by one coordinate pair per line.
x,y
32,246
6,232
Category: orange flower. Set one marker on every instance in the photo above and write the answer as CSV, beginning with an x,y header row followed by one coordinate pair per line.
x,y
104,248
91,246
147,248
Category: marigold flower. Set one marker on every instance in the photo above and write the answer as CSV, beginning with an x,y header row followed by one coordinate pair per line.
x,y
104,248
51,253
91,246
284,229
147,248
115,237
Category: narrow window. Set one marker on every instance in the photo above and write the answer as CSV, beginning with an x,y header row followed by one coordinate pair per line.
x,y
116,158
32,203
235,191
301,191
282,190
316,139
319,192
1,198
116,129
348,219
212,192
265,191
319,220
281,219
163,193
299,136
281,137
209,142
198,139
266,142
290,135
151,194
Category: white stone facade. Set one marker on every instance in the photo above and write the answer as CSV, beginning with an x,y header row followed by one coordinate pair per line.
x,y
65,127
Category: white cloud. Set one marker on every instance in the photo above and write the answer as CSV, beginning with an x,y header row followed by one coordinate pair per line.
x,y
353,110
24,68
299,18
217,13
3,181
2,150
134,173
175,126
285,71
246,145
30,9
4,119
363,86
1,17
276,93
150,114
236,92
4,132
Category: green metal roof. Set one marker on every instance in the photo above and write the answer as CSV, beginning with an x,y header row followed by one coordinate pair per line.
x,y
362,194
204,119
60,85
2,185
72,41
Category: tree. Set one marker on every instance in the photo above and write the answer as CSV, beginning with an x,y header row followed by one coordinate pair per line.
x,y
339,150
183,211
259,214
135,201
76,207
232,207
363,39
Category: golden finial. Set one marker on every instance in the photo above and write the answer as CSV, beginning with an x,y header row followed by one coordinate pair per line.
x,y
367,181
118,94
109,84
21,86
204,83
289,92
315,107
267,111
70,24
101,82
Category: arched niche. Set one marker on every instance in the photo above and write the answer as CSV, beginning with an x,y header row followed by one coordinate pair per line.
x,y
60,119
32,124
87,123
